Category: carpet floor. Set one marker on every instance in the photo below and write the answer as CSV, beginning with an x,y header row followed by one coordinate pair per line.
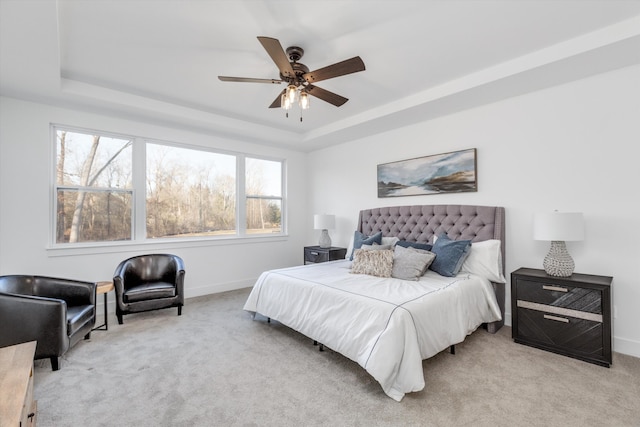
x,y
216,366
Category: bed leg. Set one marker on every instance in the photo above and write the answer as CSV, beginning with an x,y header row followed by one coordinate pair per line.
x,y
268,319
315,342
321,347
452,349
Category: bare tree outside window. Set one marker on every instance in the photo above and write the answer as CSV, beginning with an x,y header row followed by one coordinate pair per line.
x,y
263,181
93,188
188,192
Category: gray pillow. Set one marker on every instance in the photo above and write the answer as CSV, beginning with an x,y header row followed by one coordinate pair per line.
x,y
360,239
410,263
450,255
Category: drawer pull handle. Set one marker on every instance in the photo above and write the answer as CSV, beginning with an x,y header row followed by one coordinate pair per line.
x,y
314,253
556,318
554,288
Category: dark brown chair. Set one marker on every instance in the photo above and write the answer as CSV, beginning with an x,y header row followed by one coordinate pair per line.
x,y
149,282
55,312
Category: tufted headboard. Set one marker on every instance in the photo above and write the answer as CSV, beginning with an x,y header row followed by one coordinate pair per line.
x,y
419,223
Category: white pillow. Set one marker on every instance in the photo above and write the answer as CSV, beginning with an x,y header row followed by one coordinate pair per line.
x,y
391,241
485,259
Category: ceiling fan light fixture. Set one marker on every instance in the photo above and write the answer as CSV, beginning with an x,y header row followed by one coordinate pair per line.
x,y
292,92
304,100
285,103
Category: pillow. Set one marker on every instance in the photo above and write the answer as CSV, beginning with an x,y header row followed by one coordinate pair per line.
x,y
360,239
485,259
376,247
405,244
410,263
373,263
450,254
389,241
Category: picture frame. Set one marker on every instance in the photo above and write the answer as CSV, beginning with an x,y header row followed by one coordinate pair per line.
x,y
452,172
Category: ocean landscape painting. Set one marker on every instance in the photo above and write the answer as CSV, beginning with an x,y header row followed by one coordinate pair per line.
x,y
453,172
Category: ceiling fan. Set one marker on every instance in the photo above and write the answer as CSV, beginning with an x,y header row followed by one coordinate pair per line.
x,y
298,77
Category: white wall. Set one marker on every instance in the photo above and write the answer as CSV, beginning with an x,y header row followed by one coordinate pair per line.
x,y
571,148
25,186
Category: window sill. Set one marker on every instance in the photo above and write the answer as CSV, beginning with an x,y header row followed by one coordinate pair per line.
x,y
159,244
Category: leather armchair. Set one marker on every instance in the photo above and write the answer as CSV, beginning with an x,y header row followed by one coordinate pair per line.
x,y
149,282
55,312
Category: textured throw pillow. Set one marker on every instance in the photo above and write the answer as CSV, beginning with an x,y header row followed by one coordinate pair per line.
x,y
410,263
485,259
450,254
405,244
360,239
373,263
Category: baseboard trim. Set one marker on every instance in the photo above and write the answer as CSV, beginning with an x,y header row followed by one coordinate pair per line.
x,y
217,288
626,346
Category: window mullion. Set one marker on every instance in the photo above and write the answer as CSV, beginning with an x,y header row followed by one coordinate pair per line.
x,y
241,200
139,189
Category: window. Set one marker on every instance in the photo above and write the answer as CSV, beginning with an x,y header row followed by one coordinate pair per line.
x,y
190,192
263,191
94,194
105,185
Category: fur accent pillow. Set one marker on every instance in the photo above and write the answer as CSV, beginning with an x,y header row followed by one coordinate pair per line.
x,y
373,263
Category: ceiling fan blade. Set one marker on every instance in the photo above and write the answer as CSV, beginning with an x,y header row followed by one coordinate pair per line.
x,y
276,52
248,80
276,102
325,95
342,68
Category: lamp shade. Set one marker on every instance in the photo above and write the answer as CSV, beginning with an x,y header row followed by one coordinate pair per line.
x,y
324,221
558,226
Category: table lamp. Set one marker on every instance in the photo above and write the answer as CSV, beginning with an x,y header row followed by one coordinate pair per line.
x,y
324,222
558,227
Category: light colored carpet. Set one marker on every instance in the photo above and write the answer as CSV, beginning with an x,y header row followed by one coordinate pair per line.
x,y
216,366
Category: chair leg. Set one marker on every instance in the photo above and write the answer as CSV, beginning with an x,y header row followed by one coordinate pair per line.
x,y
54,363
119,315
88,336
179,310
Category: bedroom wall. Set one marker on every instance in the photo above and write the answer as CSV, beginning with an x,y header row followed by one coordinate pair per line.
x,y
570,148
25,168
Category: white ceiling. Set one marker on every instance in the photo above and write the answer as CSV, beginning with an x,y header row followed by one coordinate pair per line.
x,y
159,60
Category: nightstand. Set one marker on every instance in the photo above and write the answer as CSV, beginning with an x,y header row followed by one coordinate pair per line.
x,y
566,315
315,254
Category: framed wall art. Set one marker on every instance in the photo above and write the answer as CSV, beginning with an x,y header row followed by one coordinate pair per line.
x,y
453,172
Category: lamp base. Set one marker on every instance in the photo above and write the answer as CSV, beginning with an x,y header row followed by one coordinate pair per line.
x,y
325,240
558,262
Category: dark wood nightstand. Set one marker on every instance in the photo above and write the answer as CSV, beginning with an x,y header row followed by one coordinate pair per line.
x,y
315,254
566,315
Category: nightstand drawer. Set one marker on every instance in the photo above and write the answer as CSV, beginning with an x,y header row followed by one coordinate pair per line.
x,y
311,255
574,298
577,336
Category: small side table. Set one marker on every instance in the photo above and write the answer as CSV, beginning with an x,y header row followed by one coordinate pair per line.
x,y
316,254
104,288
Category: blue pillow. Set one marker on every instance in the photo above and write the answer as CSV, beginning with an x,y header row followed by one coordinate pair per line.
x,y
423,246
450,255
360,239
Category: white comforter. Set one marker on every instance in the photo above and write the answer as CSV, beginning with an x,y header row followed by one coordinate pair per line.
x,y
388,326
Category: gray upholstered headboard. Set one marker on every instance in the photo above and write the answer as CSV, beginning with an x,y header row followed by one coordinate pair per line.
x,y
419,223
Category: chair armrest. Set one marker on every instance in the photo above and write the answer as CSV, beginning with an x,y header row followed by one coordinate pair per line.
x,y
74,292
31,318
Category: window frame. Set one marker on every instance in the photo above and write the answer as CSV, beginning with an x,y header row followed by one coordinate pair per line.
x,y
138,194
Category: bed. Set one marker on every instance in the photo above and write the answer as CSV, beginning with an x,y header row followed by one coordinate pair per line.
x,y
385,324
